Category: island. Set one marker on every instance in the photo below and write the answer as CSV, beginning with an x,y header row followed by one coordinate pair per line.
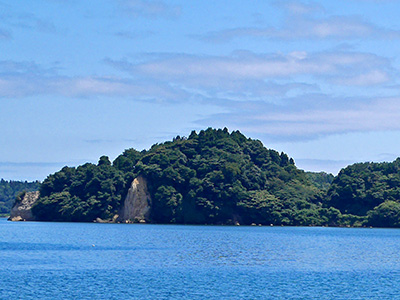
x,y
215,177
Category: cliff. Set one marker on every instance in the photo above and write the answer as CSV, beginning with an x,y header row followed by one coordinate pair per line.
x,y
136,206
21,210
137,202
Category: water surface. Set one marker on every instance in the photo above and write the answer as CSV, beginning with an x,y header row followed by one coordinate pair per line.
x,y
135,261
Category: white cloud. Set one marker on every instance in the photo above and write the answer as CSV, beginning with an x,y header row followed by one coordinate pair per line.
x,y
240,76
202,71
253,89
372,77
25,79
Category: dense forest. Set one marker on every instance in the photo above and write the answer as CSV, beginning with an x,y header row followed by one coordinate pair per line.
x,y
218,177
213,177
9,190
370,190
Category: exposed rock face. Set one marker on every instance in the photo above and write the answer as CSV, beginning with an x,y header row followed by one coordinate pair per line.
x,y
21,210
137,203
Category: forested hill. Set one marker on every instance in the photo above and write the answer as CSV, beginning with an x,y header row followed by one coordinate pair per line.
x,y
218,177
10,189
211,177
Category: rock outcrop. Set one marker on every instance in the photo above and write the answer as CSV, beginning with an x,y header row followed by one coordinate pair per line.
x,y
21,210
137,203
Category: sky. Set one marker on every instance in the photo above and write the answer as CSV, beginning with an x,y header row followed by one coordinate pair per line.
x,y
318,80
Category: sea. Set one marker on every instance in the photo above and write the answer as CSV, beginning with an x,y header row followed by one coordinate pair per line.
x,y
43,260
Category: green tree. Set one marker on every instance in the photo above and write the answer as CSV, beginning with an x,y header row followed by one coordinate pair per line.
x,y
386,214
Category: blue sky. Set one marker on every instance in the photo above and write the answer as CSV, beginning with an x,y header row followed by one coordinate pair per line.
x,y
80,79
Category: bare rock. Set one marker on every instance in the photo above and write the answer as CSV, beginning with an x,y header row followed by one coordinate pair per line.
x,y
137,203
22,210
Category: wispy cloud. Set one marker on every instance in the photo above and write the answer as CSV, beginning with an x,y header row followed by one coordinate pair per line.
x,y
311,116
240,76
341,28
243,66
299,8
281,96
26,86
307,21
10,68
150,9
27,21
24,79
372,77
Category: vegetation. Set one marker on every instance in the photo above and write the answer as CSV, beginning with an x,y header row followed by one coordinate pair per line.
x,y
9,191
211,177
320,180
369,190
217,177
81,194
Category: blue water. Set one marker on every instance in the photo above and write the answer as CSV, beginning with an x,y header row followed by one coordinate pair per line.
x,y
132,261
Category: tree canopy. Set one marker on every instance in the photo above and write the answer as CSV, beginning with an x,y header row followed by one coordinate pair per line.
x,y
211,177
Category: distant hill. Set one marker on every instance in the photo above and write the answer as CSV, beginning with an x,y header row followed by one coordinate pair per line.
x,y
320,180
10,189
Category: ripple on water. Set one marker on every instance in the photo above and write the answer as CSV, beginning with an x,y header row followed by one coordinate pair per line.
x,y
114,261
